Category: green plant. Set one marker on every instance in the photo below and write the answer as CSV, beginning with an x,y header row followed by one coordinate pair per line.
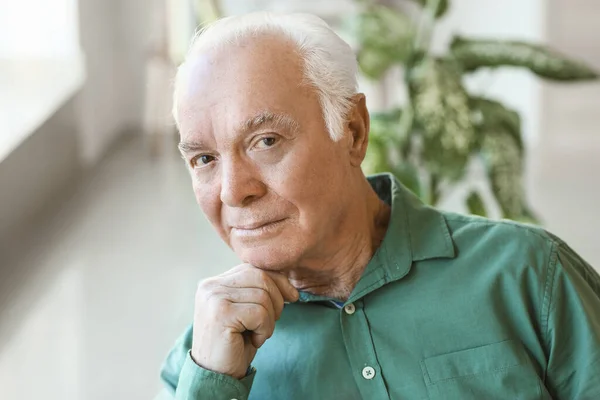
x,y
428,143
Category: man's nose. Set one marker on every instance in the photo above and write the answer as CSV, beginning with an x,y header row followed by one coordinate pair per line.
x,y
240,183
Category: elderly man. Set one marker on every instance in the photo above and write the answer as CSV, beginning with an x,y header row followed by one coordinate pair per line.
x,y
350,288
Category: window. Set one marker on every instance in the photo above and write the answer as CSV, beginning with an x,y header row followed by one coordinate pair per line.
x,y
38,28
40,64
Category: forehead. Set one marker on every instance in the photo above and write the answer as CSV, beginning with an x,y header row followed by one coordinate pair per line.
x,y
233,83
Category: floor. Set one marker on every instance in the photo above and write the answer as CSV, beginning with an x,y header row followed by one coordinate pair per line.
x,y
101,292
98,295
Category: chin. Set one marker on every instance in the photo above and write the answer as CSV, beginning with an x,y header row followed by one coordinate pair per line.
x,y
271,256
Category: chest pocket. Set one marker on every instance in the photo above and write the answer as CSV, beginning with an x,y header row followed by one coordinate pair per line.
x,y
495,371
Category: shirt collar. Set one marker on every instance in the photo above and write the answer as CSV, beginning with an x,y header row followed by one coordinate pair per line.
x,y
415,233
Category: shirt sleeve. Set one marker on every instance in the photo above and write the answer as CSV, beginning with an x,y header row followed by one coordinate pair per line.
x,y
185,380
572,326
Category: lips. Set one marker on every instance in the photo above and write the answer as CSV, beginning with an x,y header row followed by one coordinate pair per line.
x,y
256,225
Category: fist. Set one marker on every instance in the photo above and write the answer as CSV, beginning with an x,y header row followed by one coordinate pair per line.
x,y
235,314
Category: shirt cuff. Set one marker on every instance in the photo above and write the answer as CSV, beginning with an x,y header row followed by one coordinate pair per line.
x,y
197,383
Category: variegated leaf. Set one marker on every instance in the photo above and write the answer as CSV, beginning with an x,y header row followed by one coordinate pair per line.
x,y
476,205
489,114
504,163
441,109
547,63
385,39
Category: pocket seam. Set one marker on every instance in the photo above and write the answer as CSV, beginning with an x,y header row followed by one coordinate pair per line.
x,y
430,381
469,376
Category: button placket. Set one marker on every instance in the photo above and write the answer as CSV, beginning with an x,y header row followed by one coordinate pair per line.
x,y
361,353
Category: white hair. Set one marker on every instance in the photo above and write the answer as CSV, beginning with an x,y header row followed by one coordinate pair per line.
x,y
329,62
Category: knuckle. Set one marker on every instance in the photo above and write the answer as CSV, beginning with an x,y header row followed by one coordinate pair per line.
x,y
263,297
205,285
211,299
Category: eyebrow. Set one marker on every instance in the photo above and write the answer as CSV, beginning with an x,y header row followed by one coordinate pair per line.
x,y
262,119
266,118
188,147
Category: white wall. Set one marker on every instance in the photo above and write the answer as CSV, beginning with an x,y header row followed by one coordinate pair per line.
x,y
563,180
114,40
573,29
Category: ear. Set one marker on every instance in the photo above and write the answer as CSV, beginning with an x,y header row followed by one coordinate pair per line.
x,y
358,124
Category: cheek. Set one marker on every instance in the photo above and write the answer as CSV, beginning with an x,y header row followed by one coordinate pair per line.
x,y
207,197
307,178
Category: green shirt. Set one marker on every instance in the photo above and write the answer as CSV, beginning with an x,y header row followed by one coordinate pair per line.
x,y
449,307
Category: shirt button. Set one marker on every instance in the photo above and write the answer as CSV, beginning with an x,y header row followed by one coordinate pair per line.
x,y
368,373
350,308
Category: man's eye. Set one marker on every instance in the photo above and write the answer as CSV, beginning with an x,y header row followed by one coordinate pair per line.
x,y
266,142
202,160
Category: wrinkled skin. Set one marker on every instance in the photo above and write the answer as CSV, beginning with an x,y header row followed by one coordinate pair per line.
x,y
293,204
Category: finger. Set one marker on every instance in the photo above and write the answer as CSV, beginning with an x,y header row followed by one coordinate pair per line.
x,y
254,318
252,277
289,292
251,296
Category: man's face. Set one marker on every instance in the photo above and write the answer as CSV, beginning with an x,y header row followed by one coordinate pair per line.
x,y
264,169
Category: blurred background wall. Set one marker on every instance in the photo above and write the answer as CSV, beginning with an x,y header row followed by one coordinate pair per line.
x,y
564,179
114,40
101,244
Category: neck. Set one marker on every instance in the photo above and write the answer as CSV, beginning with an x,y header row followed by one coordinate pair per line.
x,y
339,266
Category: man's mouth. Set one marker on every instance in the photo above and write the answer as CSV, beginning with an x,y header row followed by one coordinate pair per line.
x,y
256,228
256,225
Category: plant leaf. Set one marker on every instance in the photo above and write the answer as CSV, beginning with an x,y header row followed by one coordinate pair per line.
x,y
473,54
387,126
441,108
504,163
374,63
442,7
392,116
377,158
385,39
490,114
476,205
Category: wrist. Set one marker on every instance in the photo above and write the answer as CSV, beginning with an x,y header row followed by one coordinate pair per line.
x,y
238,376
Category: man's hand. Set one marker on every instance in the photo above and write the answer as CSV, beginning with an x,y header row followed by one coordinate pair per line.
x,y
235,314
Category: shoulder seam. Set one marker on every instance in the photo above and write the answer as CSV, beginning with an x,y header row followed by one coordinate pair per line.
x,y
531,229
